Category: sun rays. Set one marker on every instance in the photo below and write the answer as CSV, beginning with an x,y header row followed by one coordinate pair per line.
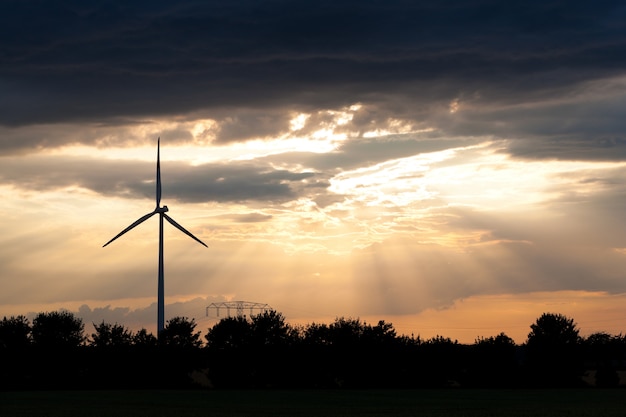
x,y
343,225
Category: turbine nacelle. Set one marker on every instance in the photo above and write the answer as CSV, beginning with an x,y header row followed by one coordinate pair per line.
x,y
163,209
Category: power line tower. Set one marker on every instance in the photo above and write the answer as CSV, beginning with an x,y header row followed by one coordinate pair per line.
x,y
238,307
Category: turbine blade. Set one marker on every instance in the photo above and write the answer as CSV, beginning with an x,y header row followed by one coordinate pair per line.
x,y
158,174
136,223
182,229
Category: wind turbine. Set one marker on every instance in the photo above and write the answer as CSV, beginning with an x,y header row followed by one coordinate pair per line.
x,y
161,212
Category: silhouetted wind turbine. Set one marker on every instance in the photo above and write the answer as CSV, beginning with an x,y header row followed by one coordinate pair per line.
x,y
161,211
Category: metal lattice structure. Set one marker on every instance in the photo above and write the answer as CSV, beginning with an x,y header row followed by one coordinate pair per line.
x,y
239,307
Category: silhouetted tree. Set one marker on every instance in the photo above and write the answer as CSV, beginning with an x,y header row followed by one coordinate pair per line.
x,y
144,339
229,351
58,330
389,365
58,340
112,363
15,333
251,352
345,353
553,330
553,351
382,334
316,334
315,345
111,336
14,351
494,362
440,362
270,329
349,355
180,332
346,332
128,361
496,342
229,333
605,353
272,341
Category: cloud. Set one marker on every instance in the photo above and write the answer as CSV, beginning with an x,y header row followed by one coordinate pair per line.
x,y
233,182
105,61
340,157
245,125
431,276
251,218
142,317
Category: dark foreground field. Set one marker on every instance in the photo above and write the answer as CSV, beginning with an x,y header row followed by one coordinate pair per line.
x,y
467,403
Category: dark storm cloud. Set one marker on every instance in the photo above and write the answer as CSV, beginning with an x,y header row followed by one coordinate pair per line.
x,y
244,125
235,182
112,61
585,123
240,182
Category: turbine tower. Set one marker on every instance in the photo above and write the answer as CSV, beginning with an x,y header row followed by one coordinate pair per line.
x,y
161,212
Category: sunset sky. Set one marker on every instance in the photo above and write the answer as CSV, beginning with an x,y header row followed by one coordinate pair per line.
x,y
456,168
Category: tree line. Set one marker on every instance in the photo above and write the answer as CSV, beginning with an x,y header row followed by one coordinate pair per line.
x,y
264,351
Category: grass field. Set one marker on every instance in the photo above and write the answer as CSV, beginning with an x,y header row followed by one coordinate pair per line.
x,y
467,403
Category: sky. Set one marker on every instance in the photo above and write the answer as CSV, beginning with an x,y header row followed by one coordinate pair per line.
x,y
456,168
